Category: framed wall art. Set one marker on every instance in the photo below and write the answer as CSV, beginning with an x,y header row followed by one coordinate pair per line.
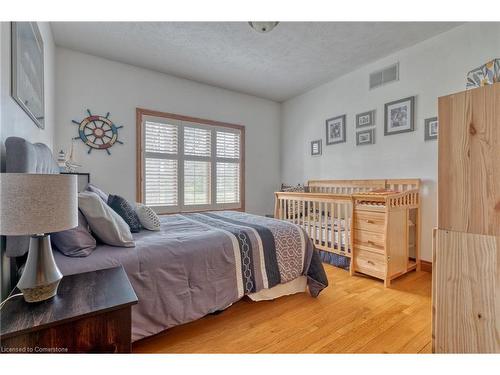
x,y
365,119
335,130
316,147
365,137
27,83
399,116
431,128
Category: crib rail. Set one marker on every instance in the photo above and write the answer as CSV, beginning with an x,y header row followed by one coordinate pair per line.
x,y
327,218
362,186
344,186
405,199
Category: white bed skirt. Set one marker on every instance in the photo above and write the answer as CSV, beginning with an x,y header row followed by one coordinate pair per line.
x,y
297,285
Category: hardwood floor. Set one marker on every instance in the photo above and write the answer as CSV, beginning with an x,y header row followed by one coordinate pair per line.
x,y
353,315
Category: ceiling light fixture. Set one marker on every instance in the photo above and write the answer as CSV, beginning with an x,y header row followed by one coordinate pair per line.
x,y
263,27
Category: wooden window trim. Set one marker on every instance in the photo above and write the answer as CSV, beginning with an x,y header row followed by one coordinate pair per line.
x,y
141,112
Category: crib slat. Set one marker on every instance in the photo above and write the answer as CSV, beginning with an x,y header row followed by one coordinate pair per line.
x,y
346,228
321,222
331,235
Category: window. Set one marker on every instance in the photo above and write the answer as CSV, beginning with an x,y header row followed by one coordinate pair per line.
x,y
187,164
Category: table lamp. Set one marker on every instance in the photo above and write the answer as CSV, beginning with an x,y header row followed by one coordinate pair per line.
x,y
37,205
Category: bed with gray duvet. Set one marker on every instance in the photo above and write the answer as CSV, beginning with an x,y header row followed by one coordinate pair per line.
x,y
200,263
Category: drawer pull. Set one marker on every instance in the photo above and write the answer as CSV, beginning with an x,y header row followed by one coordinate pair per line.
x,y
370,262
370,242
368,221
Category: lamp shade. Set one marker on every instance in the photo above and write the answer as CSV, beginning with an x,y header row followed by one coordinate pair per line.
x,y
37,203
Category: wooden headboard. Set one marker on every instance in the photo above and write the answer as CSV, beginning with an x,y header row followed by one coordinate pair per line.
x,y
361,186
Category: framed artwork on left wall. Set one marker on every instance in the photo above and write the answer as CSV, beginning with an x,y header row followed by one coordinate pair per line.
x,y
27,81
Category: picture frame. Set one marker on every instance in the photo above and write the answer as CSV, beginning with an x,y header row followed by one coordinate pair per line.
x,y
431,128
365,119
399,116
27,70
316,147
336,130
365,137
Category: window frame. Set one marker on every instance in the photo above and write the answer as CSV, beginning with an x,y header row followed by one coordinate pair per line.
x,y
145,114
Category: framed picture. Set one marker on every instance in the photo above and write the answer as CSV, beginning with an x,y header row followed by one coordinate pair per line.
x,y
365,137
316,147
27,70
399,116
335,130
431,128
365,119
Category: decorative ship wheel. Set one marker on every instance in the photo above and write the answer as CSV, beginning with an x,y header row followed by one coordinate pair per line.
x,y
97,132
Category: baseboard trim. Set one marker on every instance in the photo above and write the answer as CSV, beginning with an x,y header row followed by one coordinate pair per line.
x,y
426,266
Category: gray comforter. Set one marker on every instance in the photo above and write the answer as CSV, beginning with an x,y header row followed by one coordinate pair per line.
x,y
201,263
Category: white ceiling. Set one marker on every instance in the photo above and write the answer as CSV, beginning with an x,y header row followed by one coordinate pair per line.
x,y
293,58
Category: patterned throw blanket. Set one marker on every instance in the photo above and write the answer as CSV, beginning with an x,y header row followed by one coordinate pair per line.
x,y
268,252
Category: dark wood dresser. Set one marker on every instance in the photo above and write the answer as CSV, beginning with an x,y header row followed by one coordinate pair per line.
x,y
91,313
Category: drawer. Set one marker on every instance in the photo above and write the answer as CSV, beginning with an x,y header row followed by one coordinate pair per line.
x,y
369,263
370,221
371,240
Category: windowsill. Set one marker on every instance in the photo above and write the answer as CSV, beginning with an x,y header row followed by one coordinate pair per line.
x,y
198,211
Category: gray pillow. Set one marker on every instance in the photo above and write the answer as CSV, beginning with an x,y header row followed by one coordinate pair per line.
x,y
94,189
75,242
105,223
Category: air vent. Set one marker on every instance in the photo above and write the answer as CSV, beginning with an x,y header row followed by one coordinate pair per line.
x,y
384,76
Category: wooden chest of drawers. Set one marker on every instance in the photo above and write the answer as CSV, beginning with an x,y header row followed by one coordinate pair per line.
x,y
382,241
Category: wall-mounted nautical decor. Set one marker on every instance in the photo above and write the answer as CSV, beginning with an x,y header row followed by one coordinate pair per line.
x,y
98,132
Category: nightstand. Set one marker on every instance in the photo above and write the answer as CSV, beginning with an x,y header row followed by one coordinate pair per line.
x,y
91,313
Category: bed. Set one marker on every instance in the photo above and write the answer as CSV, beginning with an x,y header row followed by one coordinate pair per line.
x,y
198,263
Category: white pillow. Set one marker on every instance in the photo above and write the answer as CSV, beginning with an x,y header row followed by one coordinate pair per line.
x,y
148,218
104,222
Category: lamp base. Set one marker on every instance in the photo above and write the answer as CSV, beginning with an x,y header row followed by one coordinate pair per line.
x,y
40,278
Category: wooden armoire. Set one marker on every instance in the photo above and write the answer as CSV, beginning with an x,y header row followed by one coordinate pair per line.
x,y
466,256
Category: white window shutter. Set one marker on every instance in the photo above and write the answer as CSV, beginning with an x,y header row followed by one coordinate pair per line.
x,y
160,171
161,182
197,142
228,145
190,166
196,182
228,183
161,138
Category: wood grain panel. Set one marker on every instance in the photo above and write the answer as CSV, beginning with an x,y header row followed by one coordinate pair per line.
x,y
397,242
466,293
469,161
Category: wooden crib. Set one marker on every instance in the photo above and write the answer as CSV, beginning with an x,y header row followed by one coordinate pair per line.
x,y
375,223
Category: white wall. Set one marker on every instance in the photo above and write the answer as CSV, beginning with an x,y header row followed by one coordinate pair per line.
x,y
84,81
430,69
14,121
